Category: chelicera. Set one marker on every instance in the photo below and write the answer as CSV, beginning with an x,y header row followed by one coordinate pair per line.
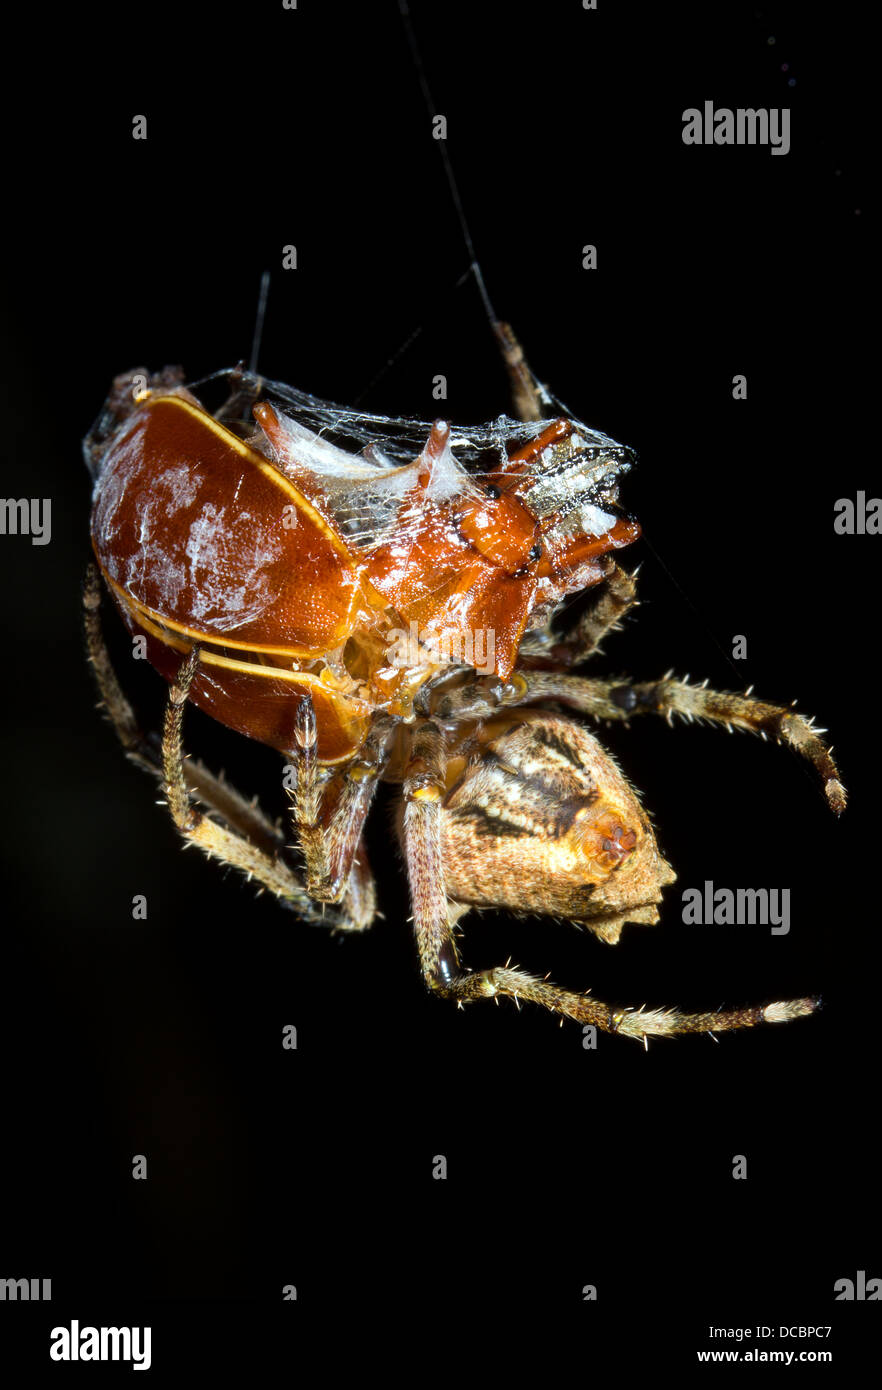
x,y
321,581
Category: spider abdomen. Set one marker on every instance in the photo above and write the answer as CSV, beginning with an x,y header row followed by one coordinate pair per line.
x,y
544,821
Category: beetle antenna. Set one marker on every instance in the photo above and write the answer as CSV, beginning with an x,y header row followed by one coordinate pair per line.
x,y
445,159
258,323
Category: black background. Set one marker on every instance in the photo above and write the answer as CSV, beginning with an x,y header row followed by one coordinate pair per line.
x,y
566,1167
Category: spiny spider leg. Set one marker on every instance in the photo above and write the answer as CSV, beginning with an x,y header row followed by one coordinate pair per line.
x,y
524,387
329,813
213,792
622,699
632,1023
249,841
216,840
611,699
422,795
439,957
616,595
306,797
119,711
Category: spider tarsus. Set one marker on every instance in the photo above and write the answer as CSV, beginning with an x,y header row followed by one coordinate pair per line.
x,y
787,1009
836,795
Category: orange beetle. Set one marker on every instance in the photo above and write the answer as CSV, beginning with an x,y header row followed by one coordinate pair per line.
x,y
296,565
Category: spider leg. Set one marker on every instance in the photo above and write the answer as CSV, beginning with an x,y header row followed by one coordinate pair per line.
x,y
617,594
329,813
624,699
145,750
216,840
585,1009
118,709
306,802
249,840
434,918
525,389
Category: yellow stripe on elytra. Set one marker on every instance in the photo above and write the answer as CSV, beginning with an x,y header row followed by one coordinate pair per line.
x,y
145,615
252,668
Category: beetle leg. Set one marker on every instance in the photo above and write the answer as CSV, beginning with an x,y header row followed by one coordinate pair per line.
x,y
520,464
244,389
624,699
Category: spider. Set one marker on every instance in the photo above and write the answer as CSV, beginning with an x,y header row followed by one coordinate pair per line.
x,y
506,801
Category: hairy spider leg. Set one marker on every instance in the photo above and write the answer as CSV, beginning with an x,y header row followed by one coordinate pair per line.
x,y
439,956
248,840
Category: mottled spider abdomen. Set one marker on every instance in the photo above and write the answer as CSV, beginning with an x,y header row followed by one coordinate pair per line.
x,y
545,822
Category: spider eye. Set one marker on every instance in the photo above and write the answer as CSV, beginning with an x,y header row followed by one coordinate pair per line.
x,y
493,492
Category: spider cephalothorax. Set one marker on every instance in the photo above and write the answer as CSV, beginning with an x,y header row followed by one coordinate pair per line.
x,y
387,615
